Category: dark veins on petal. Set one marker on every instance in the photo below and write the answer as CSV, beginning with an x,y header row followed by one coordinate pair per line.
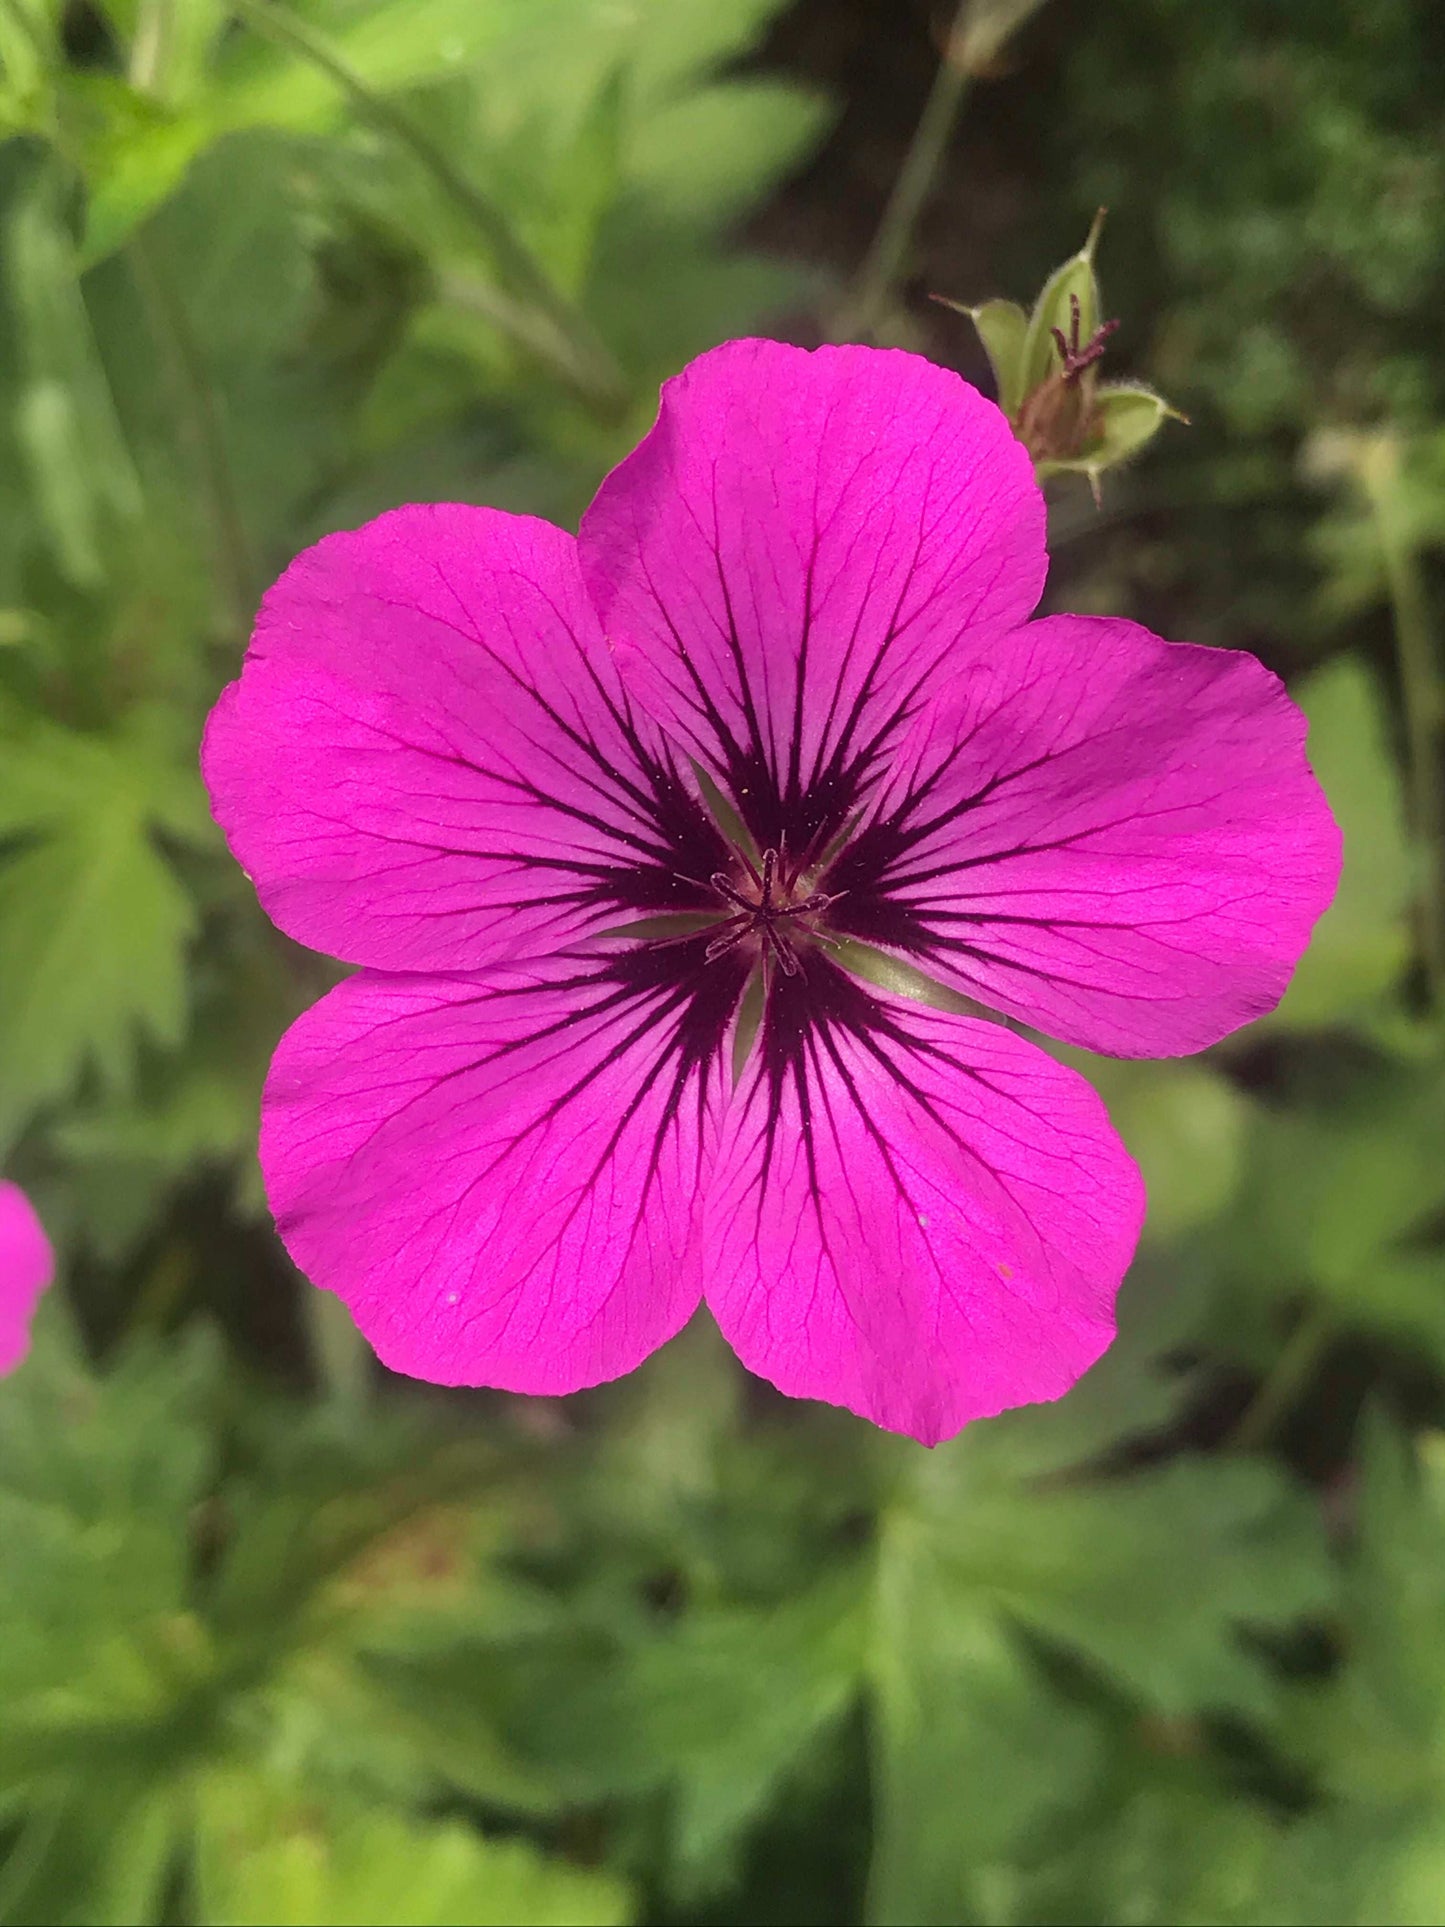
x,y
883,875
668,844
664,1008
804,811
773,910
806,1026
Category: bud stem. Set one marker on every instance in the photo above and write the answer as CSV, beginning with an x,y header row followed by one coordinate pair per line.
x,y
1423,699
861,308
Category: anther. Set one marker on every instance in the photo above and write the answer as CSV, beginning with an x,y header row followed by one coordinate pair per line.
x,y
1075,356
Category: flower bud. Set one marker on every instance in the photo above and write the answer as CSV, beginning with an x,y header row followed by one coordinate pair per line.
x,y
1046,366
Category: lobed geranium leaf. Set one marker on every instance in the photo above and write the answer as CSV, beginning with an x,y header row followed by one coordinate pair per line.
x,y
271,1852
1340,1200
1150,1580
975,1757
94,924
102,1652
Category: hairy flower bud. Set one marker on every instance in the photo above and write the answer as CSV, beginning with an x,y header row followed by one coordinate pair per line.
x,y
1046,365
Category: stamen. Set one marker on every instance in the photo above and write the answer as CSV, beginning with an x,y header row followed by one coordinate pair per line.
x,y
1075,356
725,887
762,915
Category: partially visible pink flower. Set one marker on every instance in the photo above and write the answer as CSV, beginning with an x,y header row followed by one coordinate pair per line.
x,y
26,1267
613,824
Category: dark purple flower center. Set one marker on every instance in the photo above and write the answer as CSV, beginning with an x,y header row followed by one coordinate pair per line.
x,y
773,909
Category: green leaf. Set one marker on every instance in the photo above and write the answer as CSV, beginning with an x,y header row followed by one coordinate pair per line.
x,y
975,1756
98,1854
144,153
98,1480
1374,1734
389,45
1335,1193
1166,1838
1362,942
94,925
86,487
136,166
731,1704
268,1853
705,158
1185,1125
1149,1580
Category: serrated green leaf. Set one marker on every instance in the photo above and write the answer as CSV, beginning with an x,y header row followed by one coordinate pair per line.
x,y
732,1702
1150,1577
975,1756
1167,1838
1374,1733
1333,1194
94,924
98,1478
94,928
268,1853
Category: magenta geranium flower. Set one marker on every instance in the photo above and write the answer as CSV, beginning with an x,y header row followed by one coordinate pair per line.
x,y
614,827
26,1266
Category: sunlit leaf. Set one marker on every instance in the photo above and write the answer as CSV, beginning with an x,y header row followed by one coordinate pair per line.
x,y
270,1853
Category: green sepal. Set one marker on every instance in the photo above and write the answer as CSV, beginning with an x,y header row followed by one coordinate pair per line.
x,y
1053,309
1128,415
1002,328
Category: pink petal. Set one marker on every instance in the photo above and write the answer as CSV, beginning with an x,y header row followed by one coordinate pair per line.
x,y
498,1172
429,761
1115,838
26,1268
917,1215
789,559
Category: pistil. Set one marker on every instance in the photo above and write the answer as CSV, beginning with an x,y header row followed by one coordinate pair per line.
x,y
761,915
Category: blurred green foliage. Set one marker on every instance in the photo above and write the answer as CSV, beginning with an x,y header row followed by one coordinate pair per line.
x,y
279,1642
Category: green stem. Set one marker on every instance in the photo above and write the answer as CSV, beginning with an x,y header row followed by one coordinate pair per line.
x,y
567,340
152,46
200,414
1287,1378
340,1354
1423,699
862,306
